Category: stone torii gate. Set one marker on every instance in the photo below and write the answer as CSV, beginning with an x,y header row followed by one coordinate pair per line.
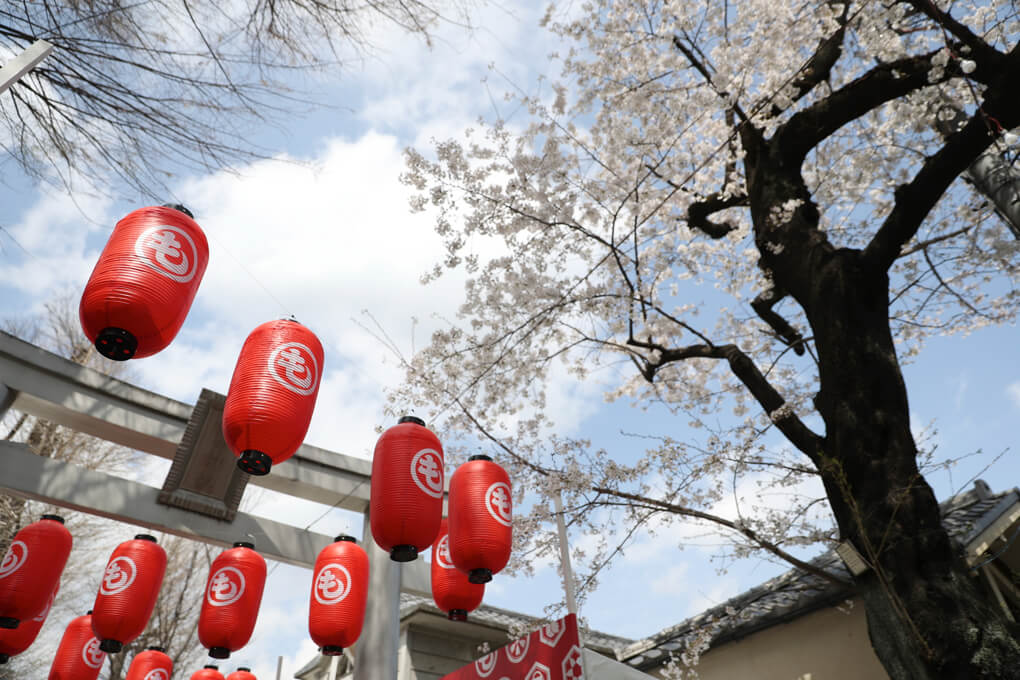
x,y
200,497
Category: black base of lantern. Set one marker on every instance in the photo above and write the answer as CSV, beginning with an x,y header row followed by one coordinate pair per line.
x,y
4,658
219,653
480,575
111,646
255,462
404,553
332,650
116,343
8,623
457,615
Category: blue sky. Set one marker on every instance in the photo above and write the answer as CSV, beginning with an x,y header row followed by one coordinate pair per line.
x,y
324,233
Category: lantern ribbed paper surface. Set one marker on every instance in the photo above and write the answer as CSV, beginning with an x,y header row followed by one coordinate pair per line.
x,y
407,489
451,589
128,592
233,594
210,672
152,664
481,518
242,674
272,394
31,569
78,656
144,283
14,642
336,609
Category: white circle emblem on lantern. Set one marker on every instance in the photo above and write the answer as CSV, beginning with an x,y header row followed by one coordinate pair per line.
x,y
161,250
499,503
13,558
443,553
225,587
92,655
332,583
293,365
156,674
427,472
120,573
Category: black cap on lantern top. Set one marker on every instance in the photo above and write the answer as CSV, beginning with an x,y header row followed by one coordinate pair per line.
x,y
219,652
254,462
244,544
179,208
212,666
331,650
145,537
116,343
111,646
403,553
55,518
457,615
480,575
411,419
156,648
244,668
479,456
345,537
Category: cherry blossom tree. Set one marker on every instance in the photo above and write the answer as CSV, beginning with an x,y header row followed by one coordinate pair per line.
x,y
785,157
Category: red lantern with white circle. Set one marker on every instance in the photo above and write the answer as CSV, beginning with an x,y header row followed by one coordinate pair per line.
x,y
128,592
242,674
152,664
481,518
31,569
209,672
233,594
407,489
14,642
78,656
451,589
272,394
336,606
143,285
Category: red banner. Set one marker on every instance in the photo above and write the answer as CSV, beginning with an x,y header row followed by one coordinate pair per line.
x,y
550,653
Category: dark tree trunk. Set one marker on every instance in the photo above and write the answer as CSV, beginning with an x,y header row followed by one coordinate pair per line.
x,y
926,617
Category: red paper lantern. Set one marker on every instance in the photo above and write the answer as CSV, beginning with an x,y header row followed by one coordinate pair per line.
x,y
272,394
152,664
233,594
336,606
14,642
407,489
144,282
78,656
209,672
31,569
242,674
128,592
451,589
481,514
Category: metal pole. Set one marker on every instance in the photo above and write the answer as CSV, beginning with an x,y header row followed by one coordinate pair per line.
x,y
279,667
568,573
13,70
377,648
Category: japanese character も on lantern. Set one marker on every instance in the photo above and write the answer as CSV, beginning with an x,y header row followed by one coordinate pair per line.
x,y
143,285
407,489
152,664
78,656
481,518
233,594
14,642
31,569
272,394
127,594
336,609
451,589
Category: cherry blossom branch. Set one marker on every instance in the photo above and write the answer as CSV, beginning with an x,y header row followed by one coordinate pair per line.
x,y
741,528
763,305
981,51
698,214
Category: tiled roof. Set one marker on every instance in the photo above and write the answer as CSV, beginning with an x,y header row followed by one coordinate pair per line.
x,y
796,592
